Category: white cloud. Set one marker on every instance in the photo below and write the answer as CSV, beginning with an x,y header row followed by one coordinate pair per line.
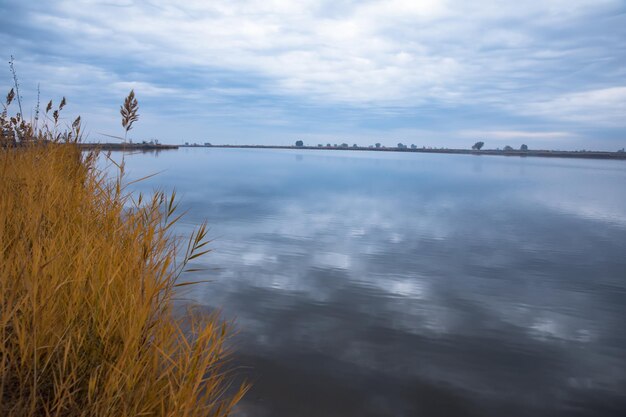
x,y
515,134
147,89
500,56
606,106
386,51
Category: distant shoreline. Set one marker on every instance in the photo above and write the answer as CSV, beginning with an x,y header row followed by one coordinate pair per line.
x,y
489,152
127,146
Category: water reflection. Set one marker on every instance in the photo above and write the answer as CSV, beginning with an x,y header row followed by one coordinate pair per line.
x,y
403,284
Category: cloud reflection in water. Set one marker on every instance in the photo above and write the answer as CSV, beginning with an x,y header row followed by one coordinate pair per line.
x,y
400,284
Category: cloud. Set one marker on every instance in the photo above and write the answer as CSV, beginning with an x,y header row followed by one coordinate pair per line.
x,y
605,106
515,134
146,88
501,59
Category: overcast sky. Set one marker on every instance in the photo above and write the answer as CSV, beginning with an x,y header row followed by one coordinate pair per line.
x,y
548,73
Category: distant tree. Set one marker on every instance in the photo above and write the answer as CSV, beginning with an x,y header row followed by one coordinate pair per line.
x,y
328,145
355,146
319,145
523,147
508,148
413,146
344,145
378,145
620,150
335,145
478,145
299,143
401,146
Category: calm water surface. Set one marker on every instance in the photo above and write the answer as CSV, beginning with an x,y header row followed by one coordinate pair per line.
x,y
391,284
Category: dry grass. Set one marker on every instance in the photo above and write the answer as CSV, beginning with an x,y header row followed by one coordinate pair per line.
x,y
87,276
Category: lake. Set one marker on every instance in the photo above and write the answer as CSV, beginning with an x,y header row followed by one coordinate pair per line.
x,y
406,284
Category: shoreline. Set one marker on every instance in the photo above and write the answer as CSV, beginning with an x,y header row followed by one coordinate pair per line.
x,y
126,146
488,152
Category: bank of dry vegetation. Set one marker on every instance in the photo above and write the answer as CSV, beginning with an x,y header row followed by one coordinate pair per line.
x,y
88,274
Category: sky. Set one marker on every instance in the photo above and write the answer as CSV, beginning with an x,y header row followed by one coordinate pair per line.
x,y
437,73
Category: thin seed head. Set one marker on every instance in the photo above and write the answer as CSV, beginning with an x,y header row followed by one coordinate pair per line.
x,y
10,97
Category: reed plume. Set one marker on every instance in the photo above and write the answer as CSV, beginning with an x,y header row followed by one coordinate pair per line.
x,y
129,112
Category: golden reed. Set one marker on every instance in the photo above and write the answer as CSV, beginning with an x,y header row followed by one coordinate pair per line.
x,y
88,274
